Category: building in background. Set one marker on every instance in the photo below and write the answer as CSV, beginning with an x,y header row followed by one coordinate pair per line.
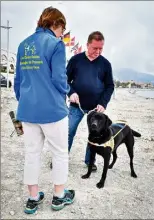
x,y
12,61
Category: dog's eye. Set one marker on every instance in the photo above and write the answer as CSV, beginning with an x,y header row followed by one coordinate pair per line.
x,y
93,118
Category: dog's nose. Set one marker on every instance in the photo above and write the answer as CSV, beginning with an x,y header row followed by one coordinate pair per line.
x,y
94,126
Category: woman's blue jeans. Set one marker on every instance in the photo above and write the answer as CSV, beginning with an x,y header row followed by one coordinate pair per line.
x,y
75,117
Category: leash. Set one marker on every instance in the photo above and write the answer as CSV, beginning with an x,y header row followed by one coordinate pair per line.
x,y
83,110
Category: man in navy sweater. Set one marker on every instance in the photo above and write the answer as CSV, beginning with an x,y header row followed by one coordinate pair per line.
x,y
91,84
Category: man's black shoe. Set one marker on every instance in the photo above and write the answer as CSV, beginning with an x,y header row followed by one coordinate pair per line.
x,y
94,168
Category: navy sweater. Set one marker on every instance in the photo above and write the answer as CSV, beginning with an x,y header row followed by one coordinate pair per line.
x,y
91,80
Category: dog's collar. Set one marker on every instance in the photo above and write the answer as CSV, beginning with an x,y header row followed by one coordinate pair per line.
x,y
109,143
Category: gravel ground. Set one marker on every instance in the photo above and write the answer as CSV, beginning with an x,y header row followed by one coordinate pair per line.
x,y
123,197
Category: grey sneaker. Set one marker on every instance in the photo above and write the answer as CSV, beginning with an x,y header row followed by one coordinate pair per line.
x,y
59,203
32,205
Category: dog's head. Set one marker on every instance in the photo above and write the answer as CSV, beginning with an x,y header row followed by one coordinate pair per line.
x,y
97,122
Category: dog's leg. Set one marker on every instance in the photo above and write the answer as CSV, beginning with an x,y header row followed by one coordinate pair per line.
x,y
91,162
114,159
130,144
107,155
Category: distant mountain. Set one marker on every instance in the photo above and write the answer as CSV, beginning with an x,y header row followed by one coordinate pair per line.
x,y
126,74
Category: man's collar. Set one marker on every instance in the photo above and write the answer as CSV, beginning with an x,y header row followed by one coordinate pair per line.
x,y
86,53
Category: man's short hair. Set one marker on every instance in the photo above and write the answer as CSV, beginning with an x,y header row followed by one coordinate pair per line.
x,y
96,35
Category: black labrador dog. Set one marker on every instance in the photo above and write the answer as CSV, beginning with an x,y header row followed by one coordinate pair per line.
x,y
102,133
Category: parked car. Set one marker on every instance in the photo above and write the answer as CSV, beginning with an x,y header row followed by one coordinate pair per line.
x,y
4,81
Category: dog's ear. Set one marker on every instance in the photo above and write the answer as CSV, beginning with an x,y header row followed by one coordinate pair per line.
x,y
108,121
89,116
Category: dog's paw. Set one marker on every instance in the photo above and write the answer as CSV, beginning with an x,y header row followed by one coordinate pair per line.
x,y
86,176
100,185
51,165
133,174
110,166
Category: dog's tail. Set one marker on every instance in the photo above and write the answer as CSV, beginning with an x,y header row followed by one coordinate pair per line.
x,y
136,134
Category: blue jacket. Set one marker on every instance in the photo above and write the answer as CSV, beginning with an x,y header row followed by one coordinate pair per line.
x,y
40,83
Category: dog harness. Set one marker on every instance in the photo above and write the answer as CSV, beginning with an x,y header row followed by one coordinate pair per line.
x,y
110,143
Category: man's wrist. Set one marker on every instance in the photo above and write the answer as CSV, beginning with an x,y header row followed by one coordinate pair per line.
x,y
104,106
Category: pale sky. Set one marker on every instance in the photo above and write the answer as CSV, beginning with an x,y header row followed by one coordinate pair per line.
x,y
128,27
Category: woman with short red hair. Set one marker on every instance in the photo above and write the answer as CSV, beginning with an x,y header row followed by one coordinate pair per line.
x,y
41,87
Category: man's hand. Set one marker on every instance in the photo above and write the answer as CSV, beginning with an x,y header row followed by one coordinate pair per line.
x,y
74,98
100,108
